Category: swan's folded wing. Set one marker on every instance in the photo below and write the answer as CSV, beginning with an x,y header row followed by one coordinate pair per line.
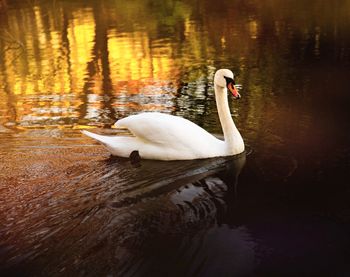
x,y
162,128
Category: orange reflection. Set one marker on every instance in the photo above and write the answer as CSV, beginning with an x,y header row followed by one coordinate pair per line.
x,y
135,63
59,73
81,33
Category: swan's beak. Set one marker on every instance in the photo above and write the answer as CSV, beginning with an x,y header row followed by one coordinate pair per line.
x,y
231,87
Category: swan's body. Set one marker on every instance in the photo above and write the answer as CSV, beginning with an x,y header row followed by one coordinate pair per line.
x,y
160,136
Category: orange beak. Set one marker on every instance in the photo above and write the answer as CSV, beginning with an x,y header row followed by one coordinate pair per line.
x,y
233,90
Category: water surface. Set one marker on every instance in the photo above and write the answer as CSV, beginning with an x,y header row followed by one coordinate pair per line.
x,y
68,208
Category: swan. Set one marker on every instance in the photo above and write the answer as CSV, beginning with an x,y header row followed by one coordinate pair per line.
x,y
159,136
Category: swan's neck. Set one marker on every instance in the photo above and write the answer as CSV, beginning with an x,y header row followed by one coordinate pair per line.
x,y
233,138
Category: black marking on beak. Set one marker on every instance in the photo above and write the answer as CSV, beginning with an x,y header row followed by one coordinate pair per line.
x,y
229,80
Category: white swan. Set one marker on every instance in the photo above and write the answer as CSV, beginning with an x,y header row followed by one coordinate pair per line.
x,y
160,136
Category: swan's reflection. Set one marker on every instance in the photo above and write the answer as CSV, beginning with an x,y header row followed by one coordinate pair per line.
x,y
212,192
194,238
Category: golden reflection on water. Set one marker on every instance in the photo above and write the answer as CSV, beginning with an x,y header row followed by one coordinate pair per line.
x,y
60,65
134,64
77,64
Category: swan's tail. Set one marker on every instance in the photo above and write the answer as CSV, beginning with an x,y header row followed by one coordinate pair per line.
x,y
102,139
118,146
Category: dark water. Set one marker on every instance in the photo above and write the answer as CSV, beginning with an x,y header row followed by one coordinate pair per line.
x,y
67,208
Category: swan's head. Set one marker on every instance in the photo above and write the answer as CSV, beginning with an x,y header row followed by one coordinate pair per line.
x,y
224,78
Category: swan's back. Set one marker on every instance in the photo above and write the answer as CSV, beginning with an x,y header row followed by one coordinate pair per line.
x,y
162,128
170,137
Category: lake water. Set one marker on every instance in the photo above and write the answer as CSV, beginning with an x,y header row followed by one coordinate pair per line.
x,y
67,208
